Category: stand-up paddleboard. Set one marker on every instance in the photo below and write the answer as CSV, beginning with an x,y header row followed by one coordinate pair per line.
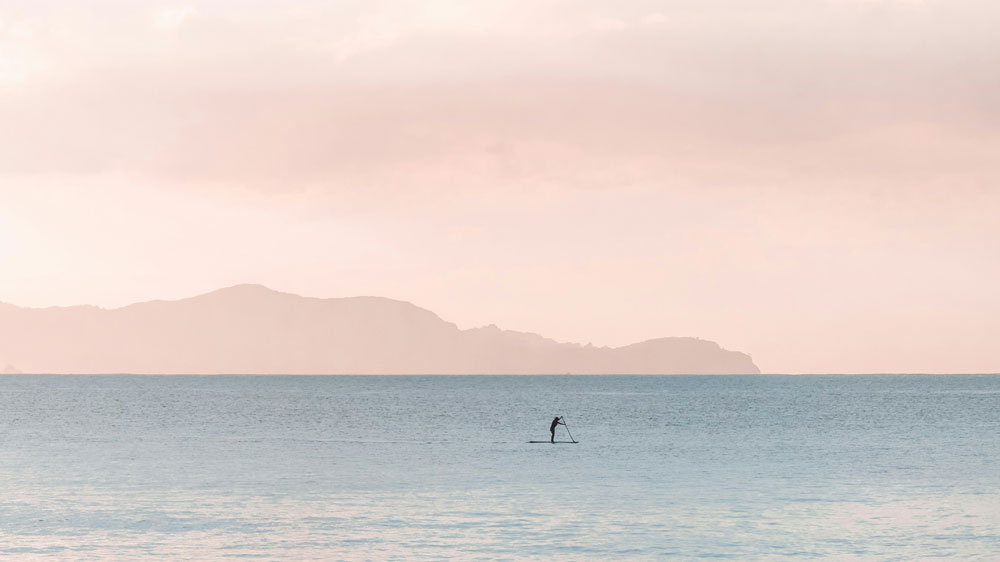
x,y
550,442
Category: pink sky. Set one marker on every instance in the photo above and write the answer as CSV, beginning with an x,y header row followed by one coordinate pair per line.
x,y
812,182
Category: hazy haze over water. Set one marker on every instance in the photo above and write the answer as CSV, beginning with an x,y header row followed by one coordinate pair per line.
x,y
741,468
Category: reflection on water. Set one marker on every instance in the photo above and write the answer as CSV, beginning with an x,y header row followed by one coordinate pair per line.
x,y
855,468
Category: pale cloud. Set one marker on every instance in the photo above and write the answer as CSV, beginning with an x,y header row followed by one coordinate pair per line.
x,y
655,19
608,25
170,18
19,61
446,77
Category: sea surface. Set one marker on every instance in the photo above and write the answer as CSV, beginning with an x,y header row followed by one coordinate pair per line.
x,y
886,467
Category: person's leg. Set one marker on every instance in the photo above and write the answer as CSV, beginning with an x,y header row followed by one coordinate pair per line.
x,y
553,439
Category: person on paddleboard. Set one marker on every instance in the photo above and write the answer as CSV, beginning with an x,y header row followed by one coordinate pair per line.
x,y
552,428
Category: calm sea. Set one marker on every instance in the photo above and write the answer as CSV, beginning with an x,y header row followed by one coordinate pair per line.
x,y
411,468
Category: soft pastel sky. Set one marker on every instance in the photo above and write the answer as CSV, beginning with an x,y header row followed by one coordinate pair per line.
x,y
812,182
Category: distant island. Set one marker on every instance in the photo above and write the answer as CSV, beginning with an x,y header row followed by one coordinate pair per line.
x,y
250,329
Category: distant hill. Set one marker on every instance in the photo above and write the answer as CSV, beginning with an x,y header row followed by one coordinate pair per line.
x,y
253,329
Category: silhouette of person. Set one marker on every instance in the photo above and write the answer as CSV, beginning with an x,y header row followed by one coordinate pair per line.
x,y
552,428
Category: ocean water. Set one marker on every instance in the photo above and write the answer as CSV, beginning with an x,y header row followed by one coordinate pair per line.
x,y
414,468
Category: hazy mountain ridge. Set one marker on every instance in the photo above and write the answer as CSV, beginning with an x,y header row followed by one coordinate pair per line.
x,y
253,329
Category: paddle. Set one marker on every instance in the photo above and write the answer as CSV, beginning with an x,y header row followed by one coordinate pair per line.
x,y
567,429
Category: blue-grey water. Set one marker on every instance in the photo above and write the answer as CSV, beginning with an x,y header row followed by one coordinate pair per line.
x,y
411,468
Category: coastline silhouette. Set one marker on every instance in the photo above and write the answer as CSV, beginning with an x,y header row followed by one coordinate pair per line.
x,y
253,329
